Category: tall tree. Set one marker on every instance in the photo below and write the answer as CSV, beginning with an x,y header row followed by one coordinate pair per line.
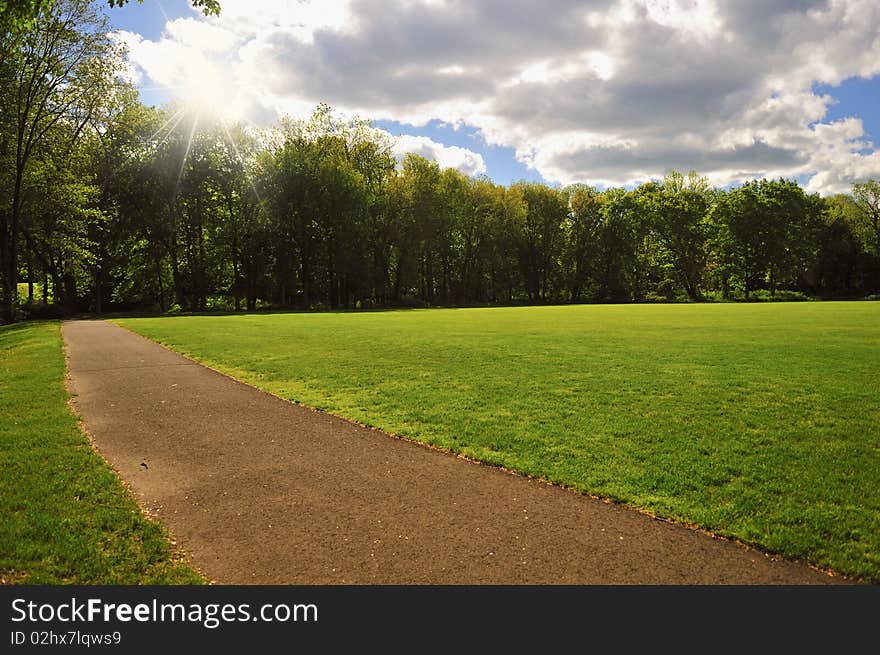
x,y
767,231
60,71
581,251
541,241
867,198
424,223
620,274
678,210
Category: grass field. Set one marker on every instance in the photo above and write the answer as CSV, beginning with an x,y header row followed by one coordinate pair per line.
x,y
66,518
760,422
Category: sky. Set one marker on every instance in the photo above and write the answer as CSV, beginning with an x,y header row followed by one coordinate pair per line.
x,y
602,92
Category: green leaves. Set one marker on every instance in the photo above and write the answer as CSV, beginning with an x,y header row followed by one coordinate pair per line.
x,y
867,199
766,230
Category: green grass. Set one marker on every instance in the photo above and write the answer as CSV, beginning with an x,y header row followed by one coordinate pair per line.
x,y
760,422
66,518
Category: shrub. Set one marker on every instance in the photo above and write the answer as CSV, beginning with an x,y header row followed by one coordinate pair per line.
x,y
782,295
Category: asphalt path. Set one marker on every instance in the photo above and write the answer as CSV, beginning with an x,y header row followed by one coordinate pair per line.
x,y
258,490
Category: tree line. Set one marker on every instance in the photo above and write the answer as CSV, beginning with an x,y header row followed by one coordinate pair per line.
x,y
106,204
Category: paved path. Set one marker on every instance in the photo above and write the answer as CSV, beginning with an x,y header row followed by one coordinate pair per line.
x,y
259,490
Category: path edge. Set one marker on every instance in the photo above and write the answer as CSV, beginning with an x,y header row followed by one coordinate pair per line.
x,y
177,552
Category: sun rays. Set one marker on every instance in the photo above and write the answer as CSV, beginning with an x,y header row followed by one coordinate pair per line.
x,y
189,142
189,122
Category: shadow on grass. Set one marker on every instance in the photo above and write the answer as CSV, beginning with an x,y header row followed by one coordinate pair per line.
x,y
12,328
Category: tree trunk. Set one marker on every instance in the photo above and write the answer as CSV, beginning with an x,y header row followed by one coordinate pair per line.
x,y
202,281
69,292
691,288
236,291
30,274
179,295
332,282
6,313
159,282
10,254
429,278
99,290
305,271
397,277
251,286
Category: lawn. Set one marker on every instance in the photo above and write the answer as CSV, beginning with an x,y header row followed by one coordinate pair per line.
x,y
66,518
756,421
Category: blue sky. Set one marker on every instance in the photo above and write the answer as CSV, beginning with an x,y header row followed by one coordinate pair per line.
x,y
149,19
855,97
596,91
501,163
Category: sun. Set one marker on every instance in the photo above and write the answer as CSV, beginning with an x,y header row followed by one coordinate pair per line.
x,y
211,89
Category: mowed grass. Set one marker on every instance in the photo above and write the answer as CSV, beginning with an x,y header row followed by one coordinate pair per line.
x,y
66,518
760,422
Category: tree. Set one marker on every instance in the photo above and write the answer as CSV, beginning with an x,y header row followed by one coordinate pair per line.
x,y
61,212
483,202
740,224
541,239
422,227
619,272
678,210
377,166
791,220
766,233
60,72
582,232
836,268
324,178
844,207
505,216
239,232
722,254
17,16
867,198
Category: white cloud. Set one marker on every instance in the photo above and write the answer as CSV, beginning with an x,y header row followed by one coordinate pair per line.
x,y
131,72
203,36
466,161
600,91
